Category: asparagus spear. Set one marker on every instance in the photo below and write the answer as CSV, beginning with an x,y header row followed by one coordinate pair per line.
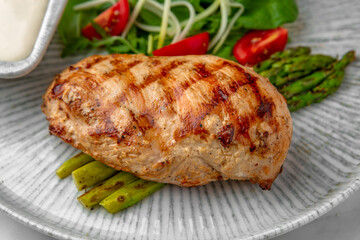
x,y
72,164
313,62
305,84
327,87
301,68
129,195
97,194
311,81
91,174
292,60
290,52
319,93
276,69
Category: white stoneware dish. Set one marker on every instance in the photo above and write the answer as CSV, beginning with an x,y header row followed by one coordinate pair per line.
x,y
321,170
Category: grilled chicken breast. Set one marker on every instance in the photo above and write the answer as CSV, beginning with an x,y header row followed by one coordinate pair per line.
x,y
183,120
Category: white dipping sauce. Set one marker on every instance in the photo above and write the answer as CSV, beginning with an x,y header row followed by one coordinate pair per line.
x,y
20,22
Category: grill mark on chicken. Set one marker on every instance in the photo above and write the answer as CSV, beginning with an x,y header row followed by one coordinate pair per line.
x,y
136,89
109,128
203,72
144,121
58,130
145,118
265,106
133,64
241,123
163,73
72,68
119,68
94,60
191,122
134,92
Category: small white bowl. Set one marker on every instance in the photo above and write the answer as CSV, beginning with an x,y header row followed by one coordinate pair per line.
x,y
51,19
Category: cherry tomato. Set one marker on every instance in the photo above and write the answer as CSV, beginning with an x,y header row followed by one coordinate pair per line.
x,y
113,20
195,45
259,45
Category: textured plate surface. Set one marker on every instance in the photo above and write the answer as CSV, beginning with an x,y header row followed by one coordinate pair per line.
x,y
321,170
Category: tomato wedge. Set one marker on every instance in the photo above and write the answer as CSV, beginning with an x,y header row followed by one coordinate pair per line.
x,y
259,45
113,20
195,45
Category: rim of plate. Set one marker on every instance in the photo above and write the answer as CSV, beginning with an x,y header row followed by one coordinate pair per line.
x,y
307,216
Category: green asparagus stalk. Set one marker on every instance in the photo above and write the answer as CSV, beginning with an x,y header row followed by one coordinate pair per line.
x,y
305,84
72,164
298,69
314,62
129,195
311,81
276,69
91,174
291,52
292,60
97,194
319,93
324,89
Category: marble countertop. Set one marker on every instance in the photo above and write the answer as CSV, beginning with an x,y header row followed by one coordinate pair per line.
x,y
342,222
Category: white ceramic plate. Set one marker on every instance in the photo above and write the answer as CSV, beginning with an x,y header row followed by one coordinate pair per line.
x,y
321,170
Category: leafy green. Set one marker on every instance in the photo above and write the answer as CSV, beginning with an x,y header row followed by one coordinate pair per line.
x,y
267,14
227,49
99,29
150,18
258,14
71,22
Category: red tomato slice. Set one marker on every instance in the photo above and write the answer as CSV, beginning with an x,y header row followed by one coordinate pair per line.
x,y
195,45
112,20
258,45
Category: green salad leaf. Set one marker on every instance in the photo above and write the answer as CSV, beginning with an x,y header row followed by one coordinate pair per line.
x,y
258,14
267,14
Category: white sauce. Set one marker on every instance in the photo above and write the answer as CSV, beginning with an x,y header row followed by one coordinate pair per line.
x,y
20,22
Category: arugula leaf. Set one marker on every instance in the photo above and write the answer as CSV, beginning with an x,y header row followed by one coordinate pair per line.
x,y
99,29
71,22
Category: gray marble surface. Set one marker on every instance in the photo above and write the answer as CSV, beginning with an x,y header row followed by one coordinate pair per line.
x,y
343,222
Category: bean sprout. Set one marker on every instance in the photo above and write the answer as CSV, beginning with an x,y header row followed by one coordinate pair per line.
x,y
230,26
150,44
206,13
133,17
157,8
224,20
91,4
190,21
